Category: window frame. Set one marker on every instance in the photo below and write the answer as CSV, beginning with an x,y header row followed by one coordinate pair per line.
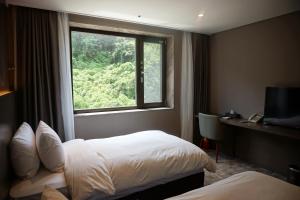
x,y
139,50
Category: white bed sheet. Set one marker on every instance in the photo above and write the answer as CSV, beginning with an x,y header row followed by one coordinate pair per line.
x,y
27,188
129,161
246,186
131,169
148,156
35,185
129,191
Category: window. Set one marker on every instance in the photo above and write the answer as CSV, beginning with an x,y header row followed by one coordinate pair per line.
x,y
114,71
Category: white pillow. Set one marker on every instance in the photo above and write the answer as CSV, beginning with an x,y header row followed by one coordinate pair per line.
x,y
24,156
50,148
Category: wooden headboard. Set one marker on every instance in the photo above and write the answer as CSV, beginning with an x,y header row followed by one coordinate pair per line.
x,y
8,123
5,168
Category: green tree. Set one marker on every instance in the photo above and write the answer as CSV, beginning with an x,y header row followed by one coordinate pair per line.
x,y
104,70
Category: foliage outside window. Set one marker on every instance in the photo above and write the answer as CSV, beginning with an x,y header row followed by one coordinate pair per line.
x,y
113,71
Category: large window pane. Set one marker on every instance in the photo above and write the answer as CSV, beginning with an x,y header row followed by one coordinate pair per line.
x,y
104,70
152,72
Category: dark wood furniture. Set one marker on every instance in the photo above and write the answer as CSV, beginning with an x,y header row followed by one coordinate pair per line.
x,y
274,130
5,168
270,147
170,189
7,49
7,127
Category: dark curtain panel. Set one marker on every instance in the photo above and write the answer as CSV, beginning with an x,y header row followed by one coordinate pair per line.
x,y
200,45
38,68
3,48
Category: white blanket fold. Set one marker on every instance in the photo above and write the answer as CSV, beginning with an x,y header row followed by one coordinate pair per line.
x,y
117,164
85,171
244,186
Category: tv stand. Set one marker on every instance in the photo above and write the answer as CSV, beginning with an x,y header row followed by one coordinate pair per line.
x,y
270,129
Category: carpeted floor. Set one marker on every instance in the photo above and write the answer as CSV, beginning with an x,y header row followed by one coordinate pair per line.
x,y
228,166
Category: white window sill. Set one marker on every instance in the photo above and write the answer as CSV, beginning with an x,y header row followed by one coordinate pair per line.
x,y
122,111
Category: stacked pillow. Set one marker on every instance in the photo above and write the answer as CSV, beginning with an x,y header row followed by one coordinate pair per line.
x,y
28,149
50,148
24,156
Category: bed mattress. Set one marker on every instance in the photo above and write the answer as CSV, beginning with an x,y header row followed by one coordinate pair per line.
x,y
32,188
247,186
35,185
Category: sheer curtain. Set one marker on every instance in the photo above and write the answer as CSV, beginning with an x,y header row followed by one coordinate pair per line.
x,y
187,88
65,76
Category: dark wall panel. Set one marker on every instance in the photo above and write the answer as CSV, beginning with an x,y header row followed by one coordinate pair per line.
x,y
3,47
8,110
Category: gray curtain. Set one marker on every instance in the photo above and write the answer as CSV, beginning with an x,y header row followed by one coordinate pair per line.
x,y
187,88
200,46
4,48
65,76
38,68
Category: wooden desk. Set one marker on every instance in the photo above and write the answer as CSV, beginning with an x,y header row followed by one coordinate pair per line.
x,y
275,130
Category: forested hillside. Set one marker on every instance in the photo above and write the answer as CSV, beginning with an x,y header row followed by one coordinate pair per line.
x,y
104,71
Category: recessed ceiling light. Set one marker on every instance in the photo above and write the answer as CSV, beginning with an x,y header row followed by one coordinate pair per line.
x,y
201,15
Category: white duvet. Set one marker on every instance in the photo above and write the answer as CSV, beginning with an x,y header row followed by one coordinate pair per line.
x,y
245,186
116,164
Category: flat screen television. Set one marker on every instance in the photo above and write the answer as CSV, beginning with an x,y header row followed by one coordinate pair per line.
x,y
282,106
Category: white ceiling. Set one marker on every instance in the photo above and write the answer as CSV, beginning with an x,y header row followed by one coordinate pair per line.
x,y
219,15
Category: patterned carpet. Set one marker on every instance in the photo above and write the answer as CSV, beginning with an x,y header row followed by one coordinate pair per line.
x,y
228,166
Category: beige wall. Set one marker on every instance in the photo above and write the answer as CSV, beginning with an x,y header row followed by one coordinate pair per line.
x,y
99,125
245,60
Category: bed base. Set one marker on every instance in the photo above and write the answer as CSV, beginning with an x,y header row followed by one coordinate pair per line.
x,y
169,189
158,192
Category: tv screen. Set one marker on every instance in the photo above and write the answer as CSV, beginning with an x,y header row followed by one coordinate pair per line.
x,y
282,106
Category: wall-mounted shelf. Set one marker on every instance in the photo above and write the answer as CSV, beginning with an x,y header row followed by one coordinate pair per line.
x,y
8,71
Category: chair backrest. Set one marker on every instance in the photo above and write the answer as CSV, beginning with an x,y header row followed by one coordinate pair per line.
x,y
210,126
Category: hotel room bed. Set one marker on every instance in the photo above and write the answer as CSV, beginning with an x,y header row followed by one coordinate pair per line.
x,y
32,188
133,166
244,186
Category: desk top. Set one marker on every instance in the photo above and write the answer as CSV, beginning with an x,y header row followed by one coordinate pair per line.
x,y
275,130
